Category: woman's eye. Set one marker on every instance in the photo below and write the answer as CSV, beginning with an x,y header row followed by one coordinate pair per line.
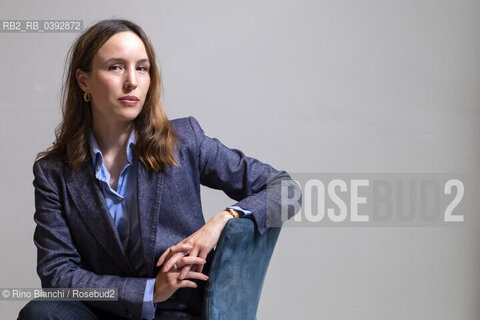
x,y
142,68
114,67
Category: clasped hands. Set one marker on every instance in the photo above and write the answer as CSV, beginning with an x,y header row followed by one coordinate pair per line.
x,y
186,259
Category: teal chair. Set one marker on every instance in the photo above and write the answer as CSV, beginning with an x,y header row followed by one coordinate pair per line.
x,y
237,271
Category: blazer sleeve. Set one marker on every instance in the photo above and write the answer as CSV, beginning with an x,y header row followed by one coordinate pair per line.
x,y
255,185
58,262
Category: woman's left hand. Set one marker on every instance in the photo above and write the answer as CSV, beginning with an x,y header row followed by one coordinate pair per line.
x,y
201,242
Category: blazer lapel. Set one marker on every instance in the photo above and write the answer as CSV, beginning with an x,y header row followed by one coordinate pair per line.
x,y
88,197
149,186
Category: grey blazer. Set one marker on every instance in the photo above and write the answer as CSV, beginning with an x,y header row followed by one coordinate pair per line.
x,y
78,245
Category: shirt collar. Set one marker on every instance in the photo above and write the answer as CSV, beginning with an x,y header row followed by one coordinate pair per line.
x,y
96,153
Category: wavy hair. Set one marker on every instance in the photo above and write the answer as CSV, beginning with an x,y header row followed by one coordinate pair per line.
x,y
156,138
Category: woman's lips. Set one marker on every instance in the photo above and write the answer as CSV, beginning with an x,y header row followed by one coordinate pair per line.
x,y
129,100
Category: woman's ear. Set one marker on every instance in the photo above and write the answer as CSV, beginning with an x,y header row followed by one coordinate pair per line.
x,y
82,78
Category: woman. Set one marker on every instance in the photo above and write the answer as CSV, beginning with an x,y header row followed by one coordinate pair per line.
x,y
117,196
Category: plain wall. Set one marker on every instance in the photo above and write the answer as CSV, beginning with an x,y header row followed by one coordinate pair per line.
x,y
307,86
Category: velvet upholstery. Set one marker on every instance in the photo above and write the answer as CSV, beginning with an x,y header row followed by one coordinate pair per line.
x,y
237,271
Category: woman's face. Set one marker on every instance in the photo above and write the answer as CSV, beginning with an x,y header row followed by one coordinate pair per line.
x,y
119,79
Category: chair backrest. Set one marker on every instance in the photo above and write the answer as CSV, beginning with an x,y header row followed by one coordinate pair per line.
x,y
237,271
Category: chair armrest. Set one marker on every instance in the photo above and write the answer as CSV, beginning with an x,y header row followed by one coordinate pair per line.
x,y
237,270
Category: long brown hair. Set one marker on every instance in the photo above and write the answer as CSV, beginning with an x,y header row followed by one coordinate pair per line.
x,y
156,138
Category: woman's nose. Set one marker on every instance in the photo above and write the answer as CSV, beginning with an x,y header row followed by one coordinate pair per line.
x,y
131,79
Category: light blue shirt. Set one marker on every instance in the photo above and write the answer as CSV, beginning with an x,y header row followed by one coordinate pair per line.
x,y
122,204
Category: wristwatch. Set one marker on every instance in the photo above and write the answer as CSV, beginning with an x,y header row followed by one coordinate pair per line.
x,y
234,213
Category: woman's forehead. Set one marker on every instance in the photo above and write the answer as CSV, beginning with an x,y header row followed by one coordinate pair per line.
x,y
122,46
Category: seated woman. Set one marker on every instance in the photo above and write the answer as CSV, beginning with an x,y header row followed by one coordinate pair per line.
x,y
117,195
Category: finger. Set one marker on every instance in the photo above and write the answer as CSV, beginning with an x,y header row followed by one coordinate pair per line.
x,y
187,284
196,275
190,261
162,258
184,272
172,261
187,268
180,247
203,255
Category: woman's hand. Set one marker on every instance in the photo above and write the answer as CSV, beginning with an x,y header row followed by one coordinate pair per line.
x,y
167,281
200,243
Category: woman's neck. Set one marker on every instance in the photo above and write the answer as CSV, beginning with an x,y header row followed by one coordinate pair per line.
x,y
112,137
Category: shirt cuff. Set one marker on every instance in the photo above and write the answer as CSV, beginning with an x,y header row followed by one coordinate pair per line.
x,y
245,212
148,311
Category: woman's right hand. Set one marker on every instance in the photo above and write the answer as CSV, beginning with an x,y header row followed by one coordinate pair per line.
x,y
167,282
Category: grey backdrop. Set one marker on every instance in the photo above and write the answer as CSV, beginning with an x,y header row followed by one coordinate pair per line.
x,y
307,86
